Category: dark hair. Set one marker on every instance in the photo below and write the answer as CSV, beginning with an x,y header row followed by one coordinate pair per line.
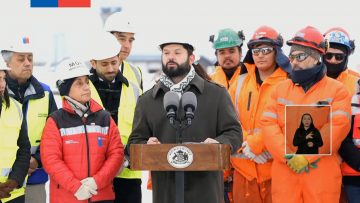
x,y
200,70
6,98
312,121
239,47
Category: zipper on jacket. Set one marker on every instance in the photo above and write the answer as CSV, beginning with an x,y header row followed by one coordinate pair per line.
x,y
87,148
249,101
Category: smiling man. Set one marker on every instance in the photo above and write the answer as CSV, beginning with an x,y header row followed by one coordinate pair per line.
x,y
118,94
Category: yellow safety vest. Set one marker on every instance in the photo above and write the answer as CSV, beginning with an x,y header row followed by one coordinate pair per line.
x,y
128,100
37,112
10,125
132,73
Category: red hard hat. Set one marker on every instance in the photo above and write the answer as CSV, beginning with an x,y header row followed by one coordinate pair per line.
x,y
266,34
310,37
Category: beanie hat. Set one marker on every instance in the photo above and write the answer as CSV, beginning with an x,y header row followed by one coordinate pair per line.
x,y
64,86
311,52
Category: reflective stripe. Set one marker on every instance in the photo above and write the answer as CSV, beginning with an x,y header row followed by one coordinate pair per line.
x,y
17,105
343,113
136,90
136,72
257,130
5,171
238,88
81,130
270,114
284,101
33,149
356,85
330,100
355,106
356,142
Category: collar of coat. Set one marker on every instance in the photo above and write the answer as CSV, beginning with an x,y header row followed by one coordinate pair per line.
x,y
198,83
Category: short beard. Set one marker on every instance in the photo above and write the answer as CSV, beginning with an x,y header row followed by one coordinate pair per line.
x,y
180,70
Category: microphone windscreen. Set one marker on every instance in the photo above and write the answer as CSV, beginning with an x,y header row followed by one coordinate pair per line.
x,y
189,99
171,100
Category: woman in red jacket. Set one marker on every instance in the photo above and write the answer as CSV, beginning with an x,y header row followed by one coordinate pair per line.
x,y
80,146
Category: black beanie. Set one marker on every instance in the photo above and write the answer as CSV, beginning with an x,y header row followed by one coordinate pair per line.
x,y
64,86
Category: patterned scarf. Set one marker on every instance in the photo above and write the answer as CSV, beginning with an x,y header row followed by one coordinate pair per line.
x,y
79,108
179,87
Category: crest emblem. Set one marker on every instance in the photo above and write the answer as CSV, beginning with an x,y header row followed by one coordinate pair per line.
x,y
180,157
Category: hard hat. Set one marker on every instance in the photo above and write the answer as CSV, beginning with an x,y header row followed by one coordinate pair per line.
x,y
105,46
183,42
71,68
310,37
227,38
338,35
266,34
20,45
118,22
3,65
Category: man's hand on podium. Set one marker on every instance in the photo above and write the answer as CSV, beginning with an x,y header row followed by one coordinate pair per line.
x,y
153,140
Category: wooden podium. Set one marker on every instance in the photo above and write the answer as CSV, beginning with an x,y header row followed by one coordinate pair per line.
x,y
157,157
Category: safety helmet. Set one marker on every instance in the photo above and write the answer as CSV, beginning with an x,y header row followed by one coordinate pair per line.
x,y
179,41
310,37
3,65
227,38
266,34
118,22
105,46
338,35
71,68
20,45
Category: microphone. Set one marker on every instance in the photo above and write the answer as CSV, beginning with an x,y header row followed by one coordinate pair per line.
x,y
189,104
171,104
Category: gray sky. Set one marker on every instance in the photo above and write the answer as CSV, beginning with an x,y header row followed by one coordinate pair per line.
x,y
194,20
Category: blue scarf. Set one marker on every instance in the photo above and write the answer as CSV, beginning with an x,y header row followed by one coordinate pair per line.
x,y
308,77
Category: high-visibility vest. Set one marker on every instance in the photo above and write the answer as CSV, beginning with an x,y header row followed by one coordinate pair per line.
x,y
126,110
10,125
350,81
345,168
36,115
132,73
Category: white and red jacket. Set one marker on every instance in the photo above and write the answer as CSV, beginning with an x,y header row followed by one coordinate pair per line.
x,y
74,148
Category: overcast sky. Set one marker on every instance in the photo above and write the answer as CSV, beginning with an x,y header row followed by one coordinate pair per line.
x,y
157,19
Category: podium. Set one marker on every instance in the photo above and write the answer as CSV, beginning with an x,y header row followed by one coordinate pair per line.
x,y
159,157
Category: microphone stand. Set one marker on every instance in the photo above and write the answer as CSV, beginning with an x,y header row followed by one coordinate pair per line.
x,y
179,175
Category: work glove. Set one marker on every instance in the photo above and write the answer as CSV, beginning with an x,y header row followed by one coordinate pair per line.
x,y
4,191
247,151
84,192
297,163
90,182
307,167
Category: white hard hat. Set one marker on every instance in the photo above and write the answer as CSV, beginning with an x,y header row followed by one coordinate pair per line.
x,y
176,36
105,46
3,65
161,46
118,22
20,45
71,68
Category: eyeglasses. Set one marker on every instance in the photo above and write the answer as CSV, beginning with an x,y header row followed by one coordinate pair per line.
x,y
299,57
264,51
338,56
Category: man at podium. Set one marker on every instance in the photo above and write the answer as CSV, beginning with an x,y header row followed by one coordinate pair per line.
x,y
214,121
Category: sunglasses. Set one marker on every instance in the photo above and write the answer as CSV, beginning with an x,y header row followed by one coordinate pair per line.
x,y
299,57
264,51
338,56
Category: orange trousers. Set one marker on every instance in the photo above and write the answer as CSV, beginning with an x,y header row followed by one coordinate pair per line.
x,y
245,191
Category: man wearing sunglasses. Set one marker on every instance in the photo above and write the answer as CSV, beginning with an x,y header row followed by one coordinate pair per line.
x,y
266,66
293,179
336,59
